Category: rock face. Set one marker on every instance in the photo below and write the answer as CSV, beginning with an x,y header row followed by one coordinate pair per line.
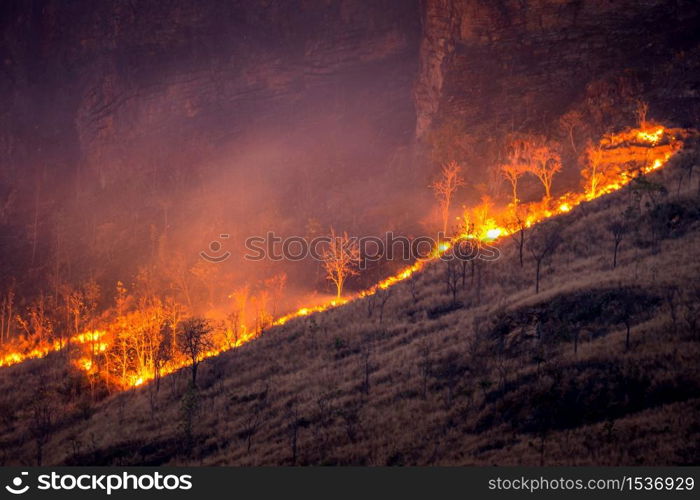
x,y
523,64
98,81
118,76
440,24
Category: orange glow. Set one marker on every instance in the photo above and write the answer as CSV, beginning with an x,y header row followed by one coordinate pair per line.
x,y
46,348
651,137
658,146
647,149
652,146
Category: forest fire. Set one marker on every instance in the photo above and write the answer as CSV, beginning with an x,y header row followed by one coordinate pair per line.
x,y
139,346
635,145
428,233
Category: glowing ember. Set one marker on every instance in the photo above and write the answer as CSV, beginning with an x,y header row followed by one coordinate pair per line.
x,y
651,137
493,233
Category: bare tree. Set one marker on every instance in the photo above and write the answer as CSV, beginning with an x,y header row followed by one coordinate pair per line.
x,y
624,309
545,163
194,340
6,314
469,251
413,287
452,276
618,227
512,173
340,259
514,168
255,417
543,242
687,160
38,322
295,422
232,329
568,123
444,188
163,352
383,295
640,112
535,155
468,248
517,225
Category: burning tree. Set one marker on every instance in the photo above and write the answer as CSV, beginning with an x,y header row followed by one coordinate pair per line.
x,y
444,187
518,154
531,154
544,163
164,351
38,322
236,324
261,305
641,110
511,172
593,172
340,259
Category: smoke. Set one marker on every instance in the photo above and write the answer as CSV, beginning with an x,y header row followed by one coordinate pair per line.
x,y
246,120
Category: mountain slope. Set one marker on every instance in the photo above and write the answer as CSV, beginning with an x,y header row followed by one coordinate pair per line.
x,y
500,376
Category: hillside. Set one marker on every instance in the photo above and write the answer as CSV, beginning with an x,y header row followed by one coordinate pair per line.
x,y
498,374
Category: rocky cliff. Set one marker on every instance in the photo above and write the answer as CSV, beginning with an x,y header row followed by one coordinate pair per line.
x,y
508,65
114,77
96,82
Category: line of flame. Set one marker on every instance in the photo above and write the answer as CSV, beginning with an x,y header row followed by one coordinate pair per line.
x,y
491,230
